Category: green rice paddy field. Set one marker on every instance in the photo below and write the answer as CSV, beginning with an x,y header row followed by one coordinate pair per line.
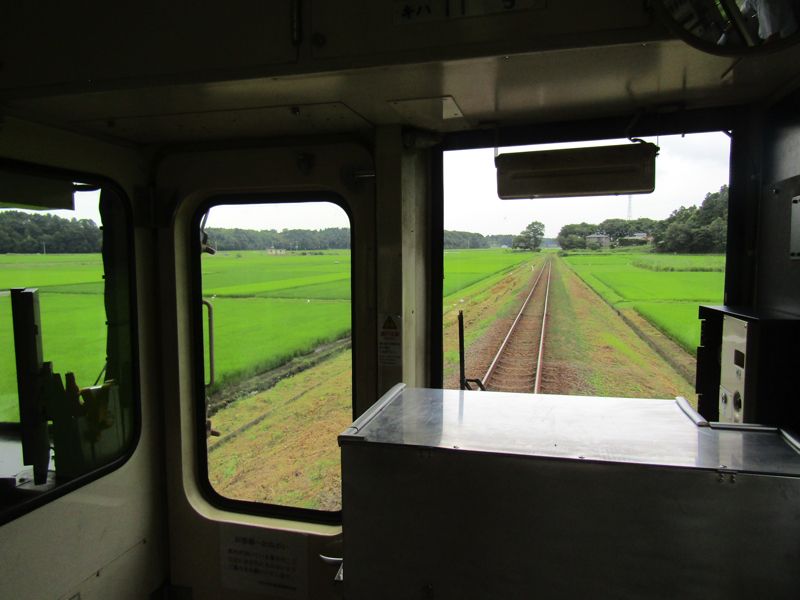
x,y
268,308
465,268
72,311
665,289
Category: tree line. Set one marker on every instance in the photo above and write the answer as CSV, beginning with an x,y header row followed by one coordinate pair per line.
x,y
693,229
331,238
468,239
25,233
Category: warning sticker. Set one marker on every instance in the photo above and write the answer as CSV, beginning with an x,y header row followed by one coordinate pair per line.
x,y
273,562
390,341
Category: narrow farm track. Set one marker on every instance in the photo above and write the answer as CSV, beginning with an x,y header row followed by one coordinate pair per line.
x,y
517,366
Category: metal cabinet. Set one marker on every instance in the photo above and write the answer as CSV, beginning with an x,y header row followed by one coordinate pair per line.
x,y
458,494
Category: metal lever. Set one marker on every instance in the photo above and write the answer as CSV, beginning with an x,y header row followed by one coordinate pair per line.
x,y
463,381
210,308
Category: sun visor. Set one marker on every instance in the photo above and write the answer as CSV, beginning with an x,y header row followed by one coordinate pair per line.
x,y
18,190
597,171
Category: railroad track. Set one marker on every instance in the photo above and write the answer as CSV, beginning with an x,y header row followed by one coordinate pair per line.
x,y
517,366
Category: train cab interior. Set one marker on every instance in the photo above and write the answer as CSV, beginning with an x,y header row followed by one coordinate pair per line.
x,y
162,115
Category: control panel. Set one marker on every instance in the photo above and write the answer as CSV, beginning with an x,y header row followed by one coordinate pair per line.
x,y
733,357
746,367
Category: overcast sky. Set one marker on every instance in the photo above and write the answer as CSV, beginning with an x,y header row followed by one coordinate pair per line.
x,y
311,215
687,168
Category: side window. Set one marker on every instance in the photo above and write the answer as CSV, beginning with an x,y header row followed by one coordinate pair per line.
x,y
68,388
274,303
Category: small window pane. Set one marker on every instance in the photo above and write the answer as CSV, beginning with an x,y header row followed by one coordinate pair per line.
x,y
278,288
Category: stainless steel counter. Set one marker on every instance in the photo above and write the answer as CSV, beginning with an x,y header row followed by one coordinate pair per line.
x,y
626,430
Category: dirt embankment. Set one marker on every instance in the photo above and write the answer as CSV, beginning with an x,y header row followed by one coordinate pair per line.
x,y
279,445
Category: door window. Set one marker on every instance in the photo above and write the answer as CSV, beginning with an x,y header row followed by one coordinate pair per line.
x,y
275,282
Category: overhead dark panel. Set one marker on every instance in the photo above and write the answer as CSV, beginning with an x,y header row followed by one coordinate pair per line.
x,y
439,29
90,45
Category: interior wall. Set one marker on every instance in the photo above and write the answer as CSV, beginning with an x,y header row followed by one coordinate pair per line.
x,y
778,274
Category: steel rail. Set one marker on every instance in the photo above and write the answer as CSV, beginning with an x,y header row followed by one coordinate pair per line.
x,y
497,356
538,382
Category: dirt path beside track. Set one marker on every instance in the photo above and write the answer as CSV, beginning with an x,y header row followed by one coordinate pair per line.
x,y
591,350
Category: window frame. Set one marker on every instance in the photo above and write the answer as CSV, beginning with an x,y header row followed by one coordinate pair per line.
x,y
732,120
214,498
124,205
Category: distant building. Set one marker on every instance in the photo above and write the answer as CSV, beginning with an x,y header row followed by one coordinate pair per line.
x,y
598,240
636,239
